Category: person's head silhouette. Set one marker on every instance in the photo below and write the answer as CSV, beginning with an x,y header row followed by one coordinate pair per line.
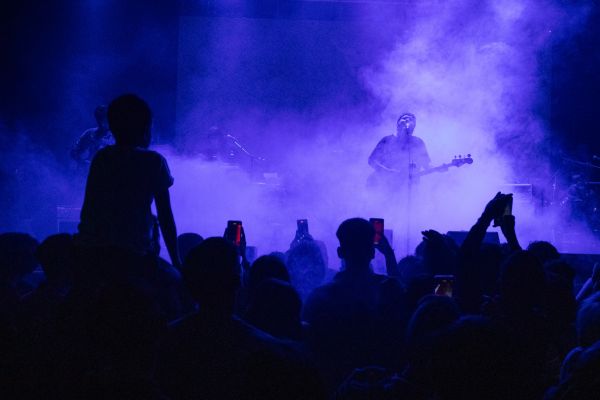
x,y
522,282
406,124
212,274
186,243
130,120
356,243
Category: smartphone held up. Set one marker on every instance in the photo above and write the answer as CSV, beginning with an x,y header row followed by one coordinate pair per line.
x,y
234,233
302,226
378,226
507,210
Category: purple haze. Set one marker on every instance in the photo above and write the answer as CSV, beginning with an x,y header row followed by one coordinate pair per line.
x,y
470,71
314,97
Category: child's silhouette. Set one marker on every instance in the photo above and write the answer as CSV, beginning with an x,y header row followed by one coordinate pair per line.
x,y
123,181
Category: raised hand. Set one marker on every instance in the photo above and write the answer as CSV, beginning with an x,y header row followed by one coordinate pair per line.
x,y
507,225
433,237
495,207
241,248
438,250
391,265
384,246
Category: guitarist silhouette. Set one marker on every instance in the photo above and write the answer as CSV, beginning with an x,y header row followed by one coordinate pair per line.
x,y
402,158
398,158
399,161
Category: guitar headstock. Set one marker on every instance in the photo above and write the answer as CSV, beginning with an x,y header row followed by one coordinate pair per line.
x,y
460,160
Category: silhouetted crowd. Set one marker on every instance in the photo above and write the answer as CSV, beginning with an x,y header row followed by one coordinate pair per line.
x,y
100,315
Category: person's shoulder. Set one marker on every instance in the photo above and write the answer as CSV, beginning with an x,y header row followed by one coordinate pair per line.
x,y
378,277
89,132
252,339
147,152
326,287
369,278
151,155
417,140
388,138
105,153
250,331
111,148
390,284
321,294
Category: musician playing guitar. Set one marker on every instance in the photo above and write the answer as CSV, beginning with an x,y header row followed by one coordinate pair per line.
x,y
92,140
401,156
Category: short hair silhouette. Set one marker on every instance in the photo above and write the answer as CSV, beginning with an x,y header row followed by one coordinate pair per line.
x,y
212,271
186,242
129,119
522,280
356,240
275,308
267,267
17,255
543,250
55,255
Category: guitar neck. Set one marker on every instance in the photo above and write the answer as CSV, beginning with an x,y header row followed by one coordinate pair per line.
x,y
439,168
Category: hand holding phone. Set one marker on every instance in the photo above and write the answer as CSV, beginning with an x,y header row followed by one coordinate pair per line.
x,y
302,228
302,225
234,233
498,207
301,232
378,226
508,203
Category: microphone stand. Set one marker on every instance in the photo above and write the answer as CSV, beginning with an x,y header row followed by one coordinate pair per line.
x,y
252,157
409,194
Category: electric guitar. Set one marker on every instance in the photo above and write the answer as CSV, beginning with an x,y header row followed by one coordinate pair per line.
x,y
384,177
458,161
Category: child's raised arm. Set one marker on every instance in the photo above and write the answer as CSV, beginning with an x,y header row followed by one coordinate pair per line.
x,y
167,225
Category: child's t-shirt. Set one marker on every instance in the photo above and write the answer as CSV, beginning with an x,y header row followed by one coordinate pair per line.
x,y
121,185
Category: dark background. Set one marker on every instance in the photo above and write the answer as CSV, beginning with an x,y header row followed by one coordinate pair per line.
x,y
62,58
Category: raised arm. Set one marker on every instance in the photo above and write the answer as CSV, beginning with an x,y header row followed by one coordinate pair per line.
x,y
167,225
508,230
391,265
468,286
474,238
